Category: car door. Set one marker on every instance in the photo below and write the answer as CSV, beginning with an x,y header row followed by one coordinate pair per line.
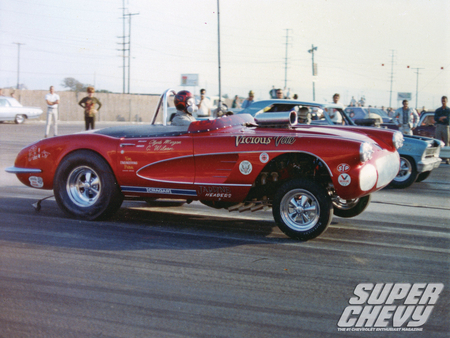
x,y
157,165
5,110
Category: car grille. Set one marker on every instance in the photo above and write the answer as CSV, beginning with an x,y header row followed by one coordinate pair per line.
x,y
432,152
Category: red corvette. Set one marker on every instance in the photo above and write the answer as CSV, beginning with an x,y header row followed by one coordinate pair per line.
x,y
305,173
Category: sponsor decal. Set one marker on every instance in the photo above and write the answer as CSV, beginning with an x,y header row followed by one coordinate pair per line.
x,y
162,145
265,140
343,167
210,191
155,190
36,182
390,307
35,153
264,158
344,179
128,164
245,167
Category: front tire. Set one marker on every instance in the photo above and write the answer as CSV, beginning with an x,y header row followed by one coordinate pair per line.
x,y
350,208
407,174
85,186
423,176
19,119
302,209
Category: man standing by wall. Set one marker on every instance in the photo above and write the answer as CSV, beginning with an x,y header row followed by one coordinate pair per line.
x,y
204,105
406,118
52,100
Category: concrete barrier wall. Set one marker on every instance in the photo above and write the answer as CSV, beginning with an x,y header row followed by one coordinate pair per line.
x,y
115,107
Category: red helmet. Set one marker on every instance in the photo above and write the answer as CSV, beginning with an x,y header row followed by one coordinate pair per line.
x,y
181,100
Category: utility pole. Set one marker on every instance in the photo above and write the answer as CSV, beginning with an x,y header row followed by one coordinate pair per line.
x,y
286,58
314,70
18,61
129,47
417,84
392,77
219,106
123,44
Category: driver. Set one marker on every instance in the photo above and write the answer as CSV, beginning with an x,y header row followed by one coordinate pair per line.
x,y
185,104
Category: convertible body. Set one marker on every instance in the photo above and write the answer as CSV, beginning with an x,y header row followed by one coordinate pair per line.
x,y
235,162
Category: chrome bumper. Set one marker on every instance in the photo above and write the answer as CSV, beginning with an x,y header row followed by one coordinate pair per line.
x,y
15,170
428,164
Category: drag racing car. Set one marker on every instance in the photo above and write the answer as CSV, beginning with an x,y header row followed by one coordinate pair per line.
x,y
419,155
304,173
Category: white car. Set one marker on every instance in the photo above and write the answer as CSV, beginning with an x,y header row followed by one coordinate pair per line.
x,y
12,110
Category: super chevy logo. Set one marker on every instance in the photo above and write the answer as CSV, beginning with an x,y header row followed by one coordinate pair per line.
x,y
390,307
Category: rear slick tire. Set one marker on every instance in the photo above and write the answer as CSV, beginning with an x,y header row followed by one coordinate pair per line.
x,y
85,186
302,209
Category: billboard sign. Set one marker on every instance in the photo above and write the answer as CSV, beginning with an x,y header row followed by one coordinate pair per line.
x,y
189,80
403,96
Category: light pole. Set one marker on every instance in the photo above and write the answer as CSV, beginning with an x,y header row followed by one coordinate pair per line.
x,y
314,70
18,61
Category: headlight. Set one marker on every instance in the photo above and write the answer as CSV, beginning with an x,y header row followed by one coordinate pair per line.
x,y
365,152
397,139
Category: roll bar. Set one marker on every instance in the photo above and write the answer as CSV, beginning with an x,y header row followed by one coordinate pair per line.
x,y
163,102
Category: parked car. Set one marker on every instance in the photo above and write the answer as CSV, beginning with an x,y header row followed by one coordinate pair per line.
x,y
12,110
419,155
236,162
362,114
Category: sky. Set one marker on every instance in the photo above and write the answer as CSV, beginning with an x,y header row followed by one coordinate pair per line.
x,y
263,43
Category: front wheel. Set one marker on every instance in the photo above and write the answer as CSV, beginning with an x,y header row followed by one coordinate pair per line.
x,y
407,174
19,119
423,176
85,186
302,209
350,208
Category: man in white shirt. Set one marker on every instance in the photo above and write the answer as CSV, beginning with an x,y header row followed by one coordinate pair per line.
x,y
335,115
406,118
204,105
52,100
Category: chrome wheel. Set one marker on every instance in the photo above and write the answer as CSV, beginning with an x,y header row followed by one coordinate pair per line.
x,y
83,186
19,119
405,170
300,210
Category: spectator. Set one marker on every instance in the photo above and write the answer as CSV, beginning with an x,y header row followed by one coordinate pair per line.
x,y
295,97
334,114
423,110
442,117
280,94
390,112
204,105
88,104
406,118
353,102
273,93
236,103
52,100
248,101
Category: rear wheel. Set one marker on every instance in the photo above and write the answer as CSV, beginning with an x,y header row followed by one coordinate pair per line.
x,y
407,174
85,186
302,209
350,208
